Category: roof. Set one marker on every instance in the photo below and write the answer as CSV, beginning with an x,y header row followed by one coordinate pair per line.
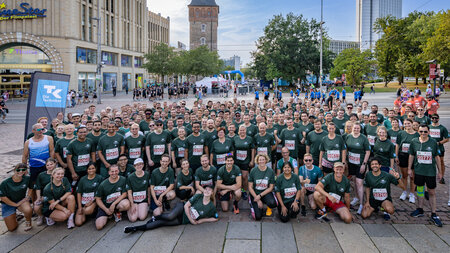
x,y
203,3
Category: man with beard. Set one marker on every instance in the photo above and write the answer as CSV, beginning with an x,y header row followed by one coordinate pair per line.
x,y
196,146
109,147
79,153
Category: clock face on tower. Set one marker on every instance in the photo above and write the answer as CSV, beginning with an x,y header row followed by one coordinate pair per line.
x,y
203,23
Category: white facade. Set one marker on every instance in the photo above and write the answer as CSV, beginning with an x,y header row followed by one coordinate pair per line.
x,y
337,46
367,12
234,61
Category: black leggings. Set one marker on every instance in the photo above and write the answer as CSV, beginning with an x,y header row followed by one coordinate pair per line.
x,y
268,199
290,214
183,194
174,218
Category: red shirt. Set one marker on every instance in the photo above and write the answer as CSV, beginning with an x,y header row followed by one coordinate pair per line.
x,y
419,102
432,106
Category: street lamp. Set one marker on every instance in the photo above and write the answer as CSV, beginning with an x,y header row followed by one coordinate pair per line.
x,y
434,61
321,39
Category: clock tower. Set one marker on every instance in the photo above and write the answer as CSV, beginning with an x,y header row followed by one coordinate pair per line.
x,y
203,22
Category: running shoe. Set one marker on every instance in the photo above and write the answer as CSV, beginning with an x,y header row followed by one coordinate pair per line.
x,y
436,220
354,202
235,207
50,221
28,226
117,216
427,195
404,195
417,213
40,220
320,214
442,181
360,209
412,198
448,204
269,211
70,223
129,230
303,210
386,216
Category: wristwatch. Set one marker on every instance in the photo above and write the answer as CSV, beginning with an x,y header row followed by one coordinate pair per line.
x,y
298,201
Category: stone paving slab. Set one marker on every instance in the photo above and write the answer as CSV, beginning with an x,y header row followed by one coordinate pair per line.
x,y
308,239
162,240
392,244
443,232
244,230
45,239
242,246
115,240
81,239
421,238
208,237
352,236
276,236
380,230
10,241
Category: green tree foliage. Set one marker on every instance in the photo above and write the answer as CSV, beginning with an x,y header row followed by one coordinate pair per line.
x,y
354,64
160,60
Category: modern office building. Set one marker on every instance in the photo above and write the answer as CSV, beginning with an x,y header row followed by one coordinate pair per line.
x,y
367,12
337,46
203,23
60,36
234,61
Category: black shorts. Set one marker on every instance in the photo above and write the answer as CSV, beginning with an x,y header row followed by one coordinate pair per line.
x,y
256,98
47,213
301,151
420,180
244,167
327,170
403,159
354,170
376,204
309,193
101,213
225,197
34,172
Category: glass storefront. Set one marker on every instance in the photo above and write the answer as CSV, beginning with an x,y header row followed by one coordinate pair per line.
x,y
86,81
85,55
23,55
139,81
108,80
126,81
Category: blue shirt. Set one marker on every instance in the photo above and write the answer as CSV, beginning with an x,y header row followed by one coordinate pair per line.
x,y
292,93
344,92
266,93
256,94
313,175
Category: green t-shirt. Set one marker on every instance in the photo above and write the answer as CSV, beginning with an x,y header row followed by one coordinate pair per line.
x,y
53,192
228,178
129,169
81,153
424,156
61,148
439,133
291,139
139,187
424,120
185,180
288,188
334,188
179,146
134,147
110,147
158,144
393,135
94,139
313,140
87,188
384,150
332,150
200,211
15,191
340,124
42,180
356,149
380,186
242,149
261,179
263,144
404,141
252,130
196,148
306,129
371,133
161,181
108,192
206,177
143,126
220,150
209,137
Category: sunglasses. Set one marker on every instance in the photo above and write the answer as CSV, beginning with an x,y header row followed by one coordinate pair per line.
x,y
308,160
349,107
158,124
152,125
40,129
423,132
434,118
21,170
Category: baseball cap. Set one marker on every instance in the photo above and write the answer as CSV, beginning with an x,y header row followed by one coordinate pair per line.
x,y
139,160
338,164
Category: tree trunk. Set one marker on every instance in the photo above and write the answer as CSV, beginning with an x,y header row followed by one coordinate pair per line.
x,y
417,80
385,82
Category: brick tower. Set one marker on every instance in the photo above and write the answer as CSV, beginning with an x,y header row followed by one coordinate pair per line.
x,y
203,19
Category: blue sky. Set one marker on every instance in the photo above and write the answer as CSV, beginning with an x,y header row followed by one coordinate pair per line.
x,y
241,22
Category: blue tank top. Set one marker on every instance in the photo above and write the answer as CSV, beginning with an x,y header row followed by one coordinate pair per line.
x,y
39,152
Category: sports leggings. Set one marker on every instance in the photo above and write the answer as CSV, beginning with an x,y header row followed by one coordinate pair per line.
x,y
174,218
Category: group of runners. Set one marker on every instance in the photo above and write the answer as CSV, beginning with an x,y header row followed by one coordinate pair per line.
x,y
179,162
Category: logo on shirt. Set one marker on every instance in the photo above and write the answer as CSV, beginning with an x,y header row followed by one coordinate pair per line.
x,y
383,181
341,189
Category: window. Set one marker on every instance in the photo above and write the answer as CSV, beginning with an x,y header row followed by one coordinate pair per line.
x,y
81,55
203,28
112,31
137,62
202,41
85,55
125,60
109,58
83,22
90,24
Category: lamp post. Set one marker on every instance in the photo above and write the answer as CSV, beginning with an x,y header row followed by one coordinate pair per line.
x,y
99,52
321,41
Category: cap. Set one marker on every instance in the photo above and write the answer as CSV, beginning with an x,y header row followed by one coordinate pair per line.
x,y
338,164
76,115
139,160
158,122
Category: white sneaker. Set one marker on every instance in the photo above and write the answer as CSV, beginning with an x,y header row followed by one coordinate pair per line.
x,y
70,223
50,221
360,209
448,203
404,195
354,202
40,220
412,198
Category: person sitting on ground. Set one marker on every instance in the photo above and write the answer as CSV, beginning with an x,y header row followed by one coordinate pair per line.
x,y
229,182
288,191
86,194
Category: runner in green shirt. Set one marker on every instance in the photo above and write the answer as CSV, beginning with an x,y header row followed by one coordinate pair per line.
x,y
340,120
370,130
220,148
42,180
309,175
61,145
80,152
109,147
185,181
134,144
138,192
332,149
304,127
196,146
378,189
394,131
313,140
162,185
111,198
264,143
288,191
290,137
95,136
86,188
205,175
179,147
125,169
384,150
229,182
210,134
157,144
244,149
440,134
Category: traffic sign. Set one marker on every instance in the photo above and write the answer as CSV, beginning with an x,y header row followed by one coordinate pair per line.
x,y
441,73
432,71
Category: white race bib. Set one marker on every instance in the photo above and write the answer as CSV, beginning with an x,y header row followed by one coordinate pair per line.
x,y
112,153
87,197
241,155
134,153
435,133
290,144
220,159
194,213
159,149
65,152
262,151
327,164
112,197
405,147
159,189
180,152
83,160
261,184
290,192
371,139
197,150
139,196
424,157
310,187
380,193
394,139
333,155
354,158
206,183
334,195
279,148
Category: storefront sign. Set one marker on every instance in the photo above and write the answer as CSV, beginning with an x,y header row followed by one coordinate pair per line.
x,y
25,12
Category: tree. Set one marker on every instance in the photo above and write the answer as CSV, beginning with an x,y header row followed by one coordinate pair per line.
x,y
386,48
201,61
354,64
160,60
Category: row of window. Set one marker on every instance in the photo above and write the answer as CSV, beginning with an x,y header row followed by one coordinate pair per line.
x,y
86,55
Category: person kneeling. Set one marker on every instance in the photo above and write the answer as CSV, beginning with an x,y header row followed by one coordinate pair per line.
x,y
138,185
288,190
111,198
199,209
229,181
162,184
329,192
86,188
378,190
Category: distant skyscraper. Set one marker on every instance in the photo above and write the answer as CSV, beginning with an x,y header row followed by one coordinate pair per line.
x,y
337,46
234,62
203,20
367,12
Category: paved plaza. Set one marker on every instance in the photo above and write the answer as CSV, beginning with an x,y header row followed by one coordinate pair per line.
x,y
233,233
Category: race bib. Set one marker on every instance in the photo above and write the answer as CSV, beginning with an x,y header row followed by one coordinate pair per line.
x,y
112,197
435,133
159,149
424,157
333,155
220,159
290,144
65,152
206,183
334,195
159,189
87,197
139,196
380,193
341,131
371,139
194,213
197,150
279,148
394,139
405,147
327,164
241,155
290,192
310,187
134,153
261,184
83,160
180,152
112,153
262,151
354,158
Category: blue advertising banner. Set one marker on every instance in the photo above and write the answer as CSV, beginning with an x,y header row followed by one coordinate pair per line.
x,y
48,96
